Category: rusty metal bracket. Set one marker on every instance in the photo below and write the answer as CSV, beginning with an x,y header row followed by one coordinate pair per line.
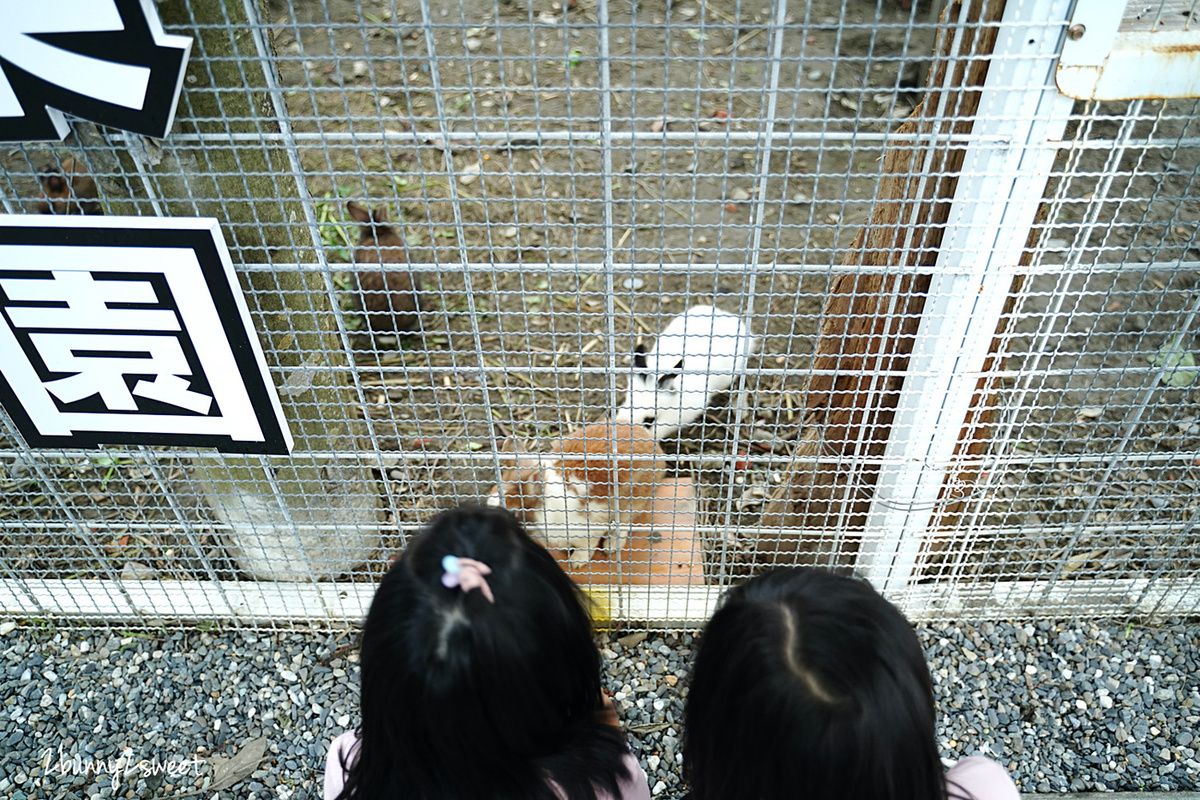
x,y
1118,50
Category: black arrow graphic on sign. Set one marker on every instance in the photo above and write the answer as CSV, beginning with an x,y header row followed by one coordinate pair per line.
x,y
108,61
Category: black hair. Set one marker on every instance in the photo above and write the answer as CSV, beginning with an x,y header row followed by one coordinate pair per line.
x,y
810,684
467,699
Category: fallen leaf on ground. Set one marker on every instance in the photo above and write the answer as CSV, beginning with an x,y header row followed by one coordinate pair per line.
x,y
228,771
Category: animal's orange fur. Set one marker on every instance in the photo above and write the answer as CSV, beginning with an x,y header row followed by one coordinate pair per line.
x,y
522,491
611,473
622,464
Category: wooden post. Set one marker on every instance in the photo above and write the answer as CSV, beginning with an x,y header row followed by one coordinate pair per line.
x,y
870,318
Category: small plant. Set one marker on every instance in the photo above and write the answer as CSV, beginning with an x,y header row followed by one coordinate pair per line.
x,y
574,59
99,462
405,184
1177,363
330,220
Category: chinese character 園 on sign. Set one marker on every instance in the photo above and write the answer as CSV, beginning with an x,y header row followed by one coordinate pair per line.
x,y
135,332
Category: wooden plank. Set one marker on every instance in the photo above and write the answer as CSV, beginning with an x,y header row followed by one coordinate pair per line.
x,y
869,320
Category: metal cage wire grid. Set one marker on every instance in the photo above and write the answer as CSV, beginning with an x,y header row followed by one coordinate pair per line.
x,y
563,181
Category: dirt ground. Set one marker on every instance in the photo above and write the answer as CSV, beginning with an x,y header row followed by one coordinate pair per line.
x,y
537,343
693,73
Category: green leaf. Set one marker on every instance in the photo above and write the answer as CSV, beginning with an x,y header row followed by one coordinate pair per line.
x,y
1178,365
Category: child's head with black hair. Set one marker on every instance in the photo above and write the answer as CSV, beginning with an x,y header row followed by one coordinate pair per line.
x,y
480,678
810,684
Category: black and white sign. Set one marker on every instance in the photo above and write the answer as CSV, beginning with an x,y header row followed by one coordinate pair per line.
x,y
108,61
130,331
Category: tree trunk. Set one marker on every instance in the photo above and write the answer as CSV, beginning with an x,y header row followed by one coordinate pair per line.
x,y
870,318
313,515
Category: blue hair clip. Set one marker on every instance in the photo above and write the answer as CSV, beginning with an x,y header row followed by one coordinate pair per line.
x,y
466,574
450,570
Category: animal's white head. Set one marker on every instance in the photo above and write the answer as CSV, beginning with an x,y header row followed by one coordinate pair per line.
x,y
698,355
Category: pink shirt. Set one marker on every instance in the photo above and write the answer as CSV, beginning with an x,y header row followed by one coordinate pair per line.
x,y
633,788
982,779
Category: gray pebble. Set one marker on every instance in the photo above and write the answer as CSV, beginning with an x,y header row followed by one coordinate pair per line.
x,y
1037,707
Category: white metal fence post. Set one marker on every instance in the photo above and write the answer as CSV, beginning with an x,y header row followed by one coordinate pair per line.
x,y
1021,117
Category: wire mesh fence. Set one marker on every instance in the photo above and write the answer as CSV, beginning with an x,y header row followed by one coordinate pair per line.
x,y
955,353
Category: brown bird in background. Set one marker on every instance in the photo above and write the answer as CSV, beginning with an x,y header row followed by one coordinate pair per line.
x,y
68,189
389,299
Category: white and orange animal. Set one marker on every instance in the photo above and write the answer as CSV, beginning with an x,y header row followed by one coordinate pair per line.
x,y
598,481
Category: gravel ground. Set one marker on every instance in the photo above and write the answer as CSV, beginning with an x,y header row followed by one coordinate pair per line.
x,y
1066,707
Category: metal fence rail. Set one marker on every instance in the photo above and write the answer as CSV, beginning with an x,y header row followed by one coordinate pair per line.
x,y
563,180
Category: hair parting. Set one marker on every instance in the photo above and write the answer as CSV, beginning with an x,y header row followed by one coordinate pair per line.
x,y
465,697
806,678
